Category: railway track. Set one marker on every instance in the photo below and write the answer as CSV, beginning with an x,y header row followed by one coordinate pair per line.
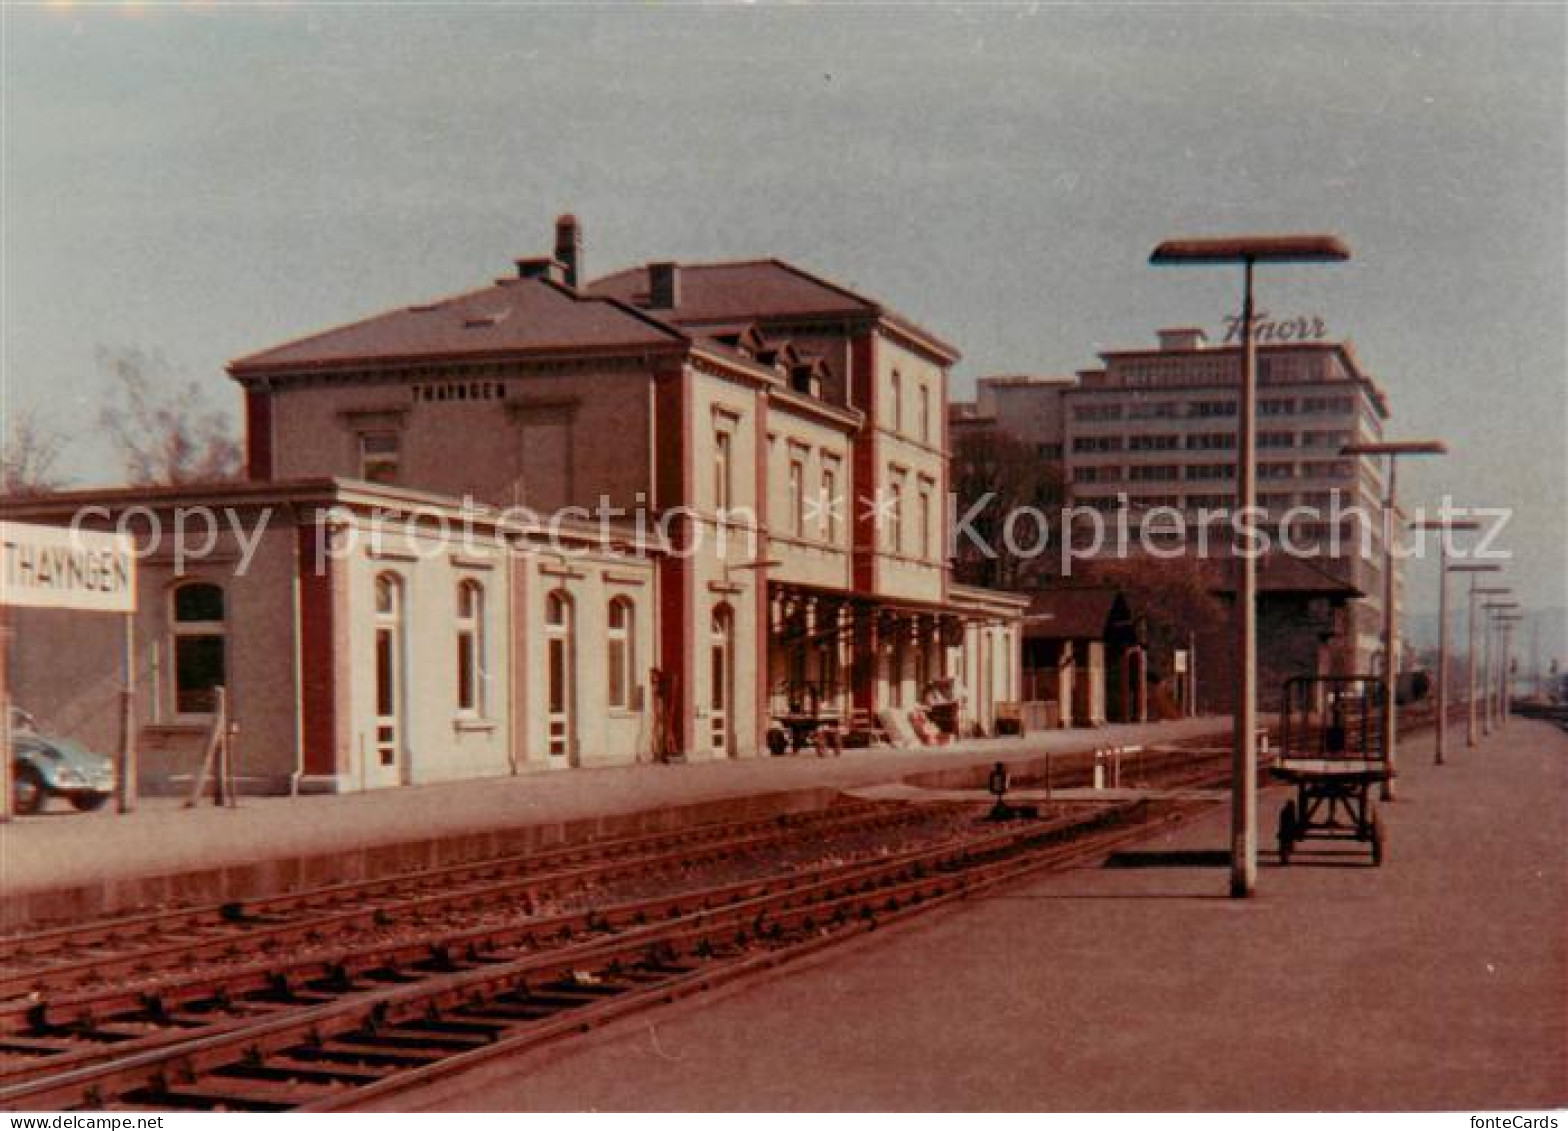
x,y
343,1022
140,946
331,1045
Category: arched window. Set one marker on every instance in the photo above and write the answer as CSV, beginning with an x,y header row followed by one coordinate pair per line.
x,y
470,648
198,626
621,635
560,664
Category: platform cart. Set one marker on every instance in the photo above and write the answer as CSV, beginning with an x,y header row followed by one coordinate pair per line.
x,y
1332,753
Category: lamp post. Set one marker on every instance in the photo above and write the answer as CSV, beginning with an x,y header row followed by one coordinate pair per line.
x,y
1494,609
1247,251
1444,528
1477,670
1505,677
1393,449
1470,671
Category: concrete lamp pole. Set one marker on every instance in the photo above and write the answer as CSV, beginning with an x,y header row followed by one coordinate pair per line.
x,y
1477,669
1494,609
1248,251
1505,675
1393,449
1444,527
1475,591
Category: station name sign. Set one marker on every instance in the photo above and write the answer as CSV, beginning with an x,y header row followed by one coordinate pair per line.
x,y
55,567
1302,328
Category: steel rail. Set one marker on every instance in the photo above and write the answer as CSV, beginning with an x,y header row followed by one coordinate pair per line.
x,y
807,898
256,923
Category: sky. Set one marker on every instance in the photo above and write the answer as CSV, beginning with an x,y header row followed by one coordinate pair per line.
x,y
205,180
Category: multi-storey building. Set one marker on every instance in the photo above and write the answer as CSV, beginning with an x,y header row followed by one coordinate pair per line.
x,y
701,498
1157,427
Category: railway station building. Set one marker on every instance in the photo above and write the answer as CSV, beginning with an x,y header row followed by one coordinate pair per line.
x,y
546,523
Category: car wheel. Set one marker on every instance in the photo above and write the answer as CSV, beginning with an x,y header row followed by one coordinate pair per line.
x,y
87,802
28,792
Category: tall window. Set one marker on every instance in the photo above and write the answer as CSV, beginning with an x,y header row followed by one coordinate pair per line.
x,y
895,408
720,680
470,648
925,524
895,518
797,497
198,646
559,664
389,667
380,456
721,471
925,413
622,654
830,500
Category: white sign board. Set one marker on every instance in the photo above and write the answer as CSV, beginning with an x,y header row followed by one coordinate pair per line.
x,y
55,567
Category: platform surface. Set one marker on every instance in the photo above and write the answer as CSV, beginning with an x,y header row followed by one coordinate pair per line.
x,y
1439,981
62,849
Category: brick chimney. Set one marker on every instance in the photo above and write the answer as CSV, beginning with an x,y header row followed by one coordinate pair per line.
x,y
664,286
569,248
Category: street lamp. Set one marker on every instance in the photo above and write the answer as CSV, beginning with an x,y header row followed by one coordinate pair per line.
x,y
1494,609
1444,527
1393,449
1475,591
1247,251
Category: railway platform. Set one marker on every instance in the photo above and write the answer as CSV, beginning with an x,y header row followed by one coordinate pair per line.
x,y
61,866
1434,982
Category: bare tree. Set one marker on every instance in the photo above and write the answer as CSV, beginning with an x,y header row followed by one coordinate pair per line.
x,y
995,475
28,456
166,432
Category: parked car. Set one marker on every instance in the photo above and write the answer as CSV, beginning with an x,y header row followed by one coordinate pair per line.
x,y
44,766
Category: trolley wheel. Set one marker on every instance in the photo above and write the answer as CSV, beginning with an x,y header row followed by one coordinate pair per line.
x,y
1379,841
1287,830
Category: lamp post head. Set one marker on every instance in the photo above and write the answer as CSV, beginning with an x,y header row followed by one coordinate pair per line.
x,y
1449,524
1475,567
1251,249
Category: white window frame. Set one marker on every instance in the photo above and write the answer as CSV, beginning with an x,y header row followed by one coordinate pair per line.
x,y
621,653
797,496
471,699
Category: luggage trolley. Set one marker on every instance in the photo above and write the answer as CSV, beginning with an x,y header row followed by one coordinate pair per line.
x,y
1331,751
